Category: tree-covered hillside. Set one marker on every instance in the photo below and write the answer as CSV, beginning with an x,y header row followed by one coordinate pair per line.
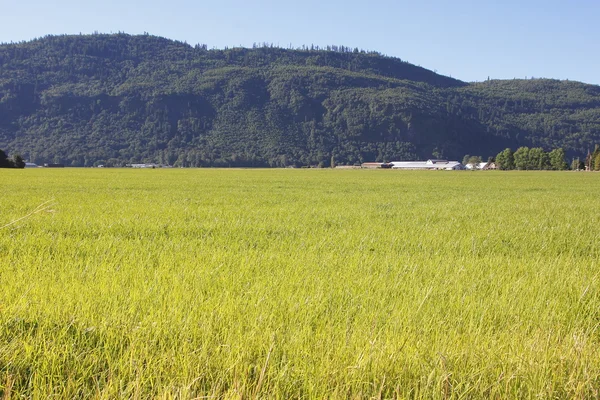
x,y
118,98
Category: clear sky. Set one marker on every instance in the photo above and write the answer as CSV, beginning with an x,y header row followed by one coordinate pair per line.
x,y
466,39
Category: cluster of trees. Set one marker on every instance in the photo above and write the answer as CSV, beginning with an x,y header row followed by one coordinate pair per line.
x,y
15,162
525,158
114,99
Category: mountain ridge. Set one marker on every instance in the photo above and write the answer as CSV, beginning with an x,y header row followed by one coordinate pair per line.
x,y
89,99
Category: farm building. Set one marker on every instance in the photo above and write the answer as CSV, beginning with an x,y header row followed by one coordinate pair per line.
x,y
428,165
481,166
374,165
31,165
145,165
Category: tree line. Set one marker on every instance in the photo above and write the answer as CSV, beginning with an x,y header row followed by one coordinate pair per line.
x,y
525,158
15,161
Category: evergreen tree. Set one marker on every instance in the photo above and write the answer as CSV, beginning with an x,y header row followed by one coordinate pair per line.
x,y
597,162
594,159
589,162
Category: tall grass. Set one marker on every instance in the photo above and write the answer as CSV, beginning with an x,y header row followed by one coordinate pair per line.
x,y
299,284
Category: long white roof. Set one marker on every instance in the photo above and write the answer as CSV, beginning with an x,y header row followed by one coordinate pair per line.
x,y
430,164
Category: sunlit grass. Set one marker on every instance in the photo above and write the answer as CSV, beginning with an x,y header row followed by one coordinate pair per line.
x,y
299,283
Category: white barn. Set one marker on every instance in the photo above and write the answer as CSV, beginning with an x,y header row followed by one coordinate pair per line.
x,y
428,165
481,165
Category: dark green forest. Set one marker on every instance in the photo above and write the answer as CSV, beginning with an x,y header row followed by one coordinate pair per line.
x,y
114,99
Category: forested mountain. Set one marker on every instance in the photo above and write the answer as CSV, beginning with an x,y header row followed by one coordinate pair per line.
x,y
118,98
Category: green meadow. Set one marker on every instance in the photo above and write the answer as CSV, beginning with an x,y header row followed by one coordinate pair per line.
x,y
206,283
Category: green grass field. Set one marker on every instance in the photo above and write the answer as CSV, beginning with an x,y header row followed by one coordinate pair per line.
x,y
299,284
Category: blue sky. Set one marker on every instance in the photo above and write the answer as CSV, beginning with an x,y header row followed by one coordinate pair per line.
x,y
466,39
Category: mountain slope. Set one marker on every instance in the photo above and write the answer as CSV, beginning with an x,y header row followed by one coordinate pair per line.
x,y
118,98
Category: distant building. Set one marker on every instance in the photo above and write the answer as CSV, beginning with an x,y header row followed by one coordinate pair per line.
x,y
31,165
375,165
147,165
47,165
432,164
371,165
481,166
